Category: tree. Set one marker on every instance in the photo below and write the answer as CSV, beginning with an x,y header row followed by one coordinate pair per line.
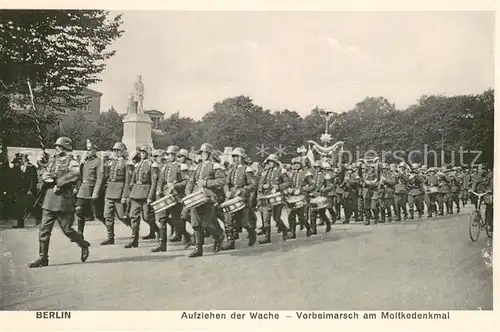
x,y
59,51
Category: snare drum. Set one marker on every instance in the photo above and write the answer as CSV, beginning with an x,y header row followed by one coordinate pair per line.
x,y
233,205
296,202
320,202
196,199
270,200
164,203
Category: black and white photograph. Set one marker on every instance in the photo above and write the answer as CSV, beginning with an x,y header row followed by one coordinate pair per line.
x,y
322,161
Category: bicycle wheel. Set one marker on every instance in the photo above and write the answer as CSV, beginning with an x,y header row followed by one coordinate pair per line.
x,y
489,229
475,225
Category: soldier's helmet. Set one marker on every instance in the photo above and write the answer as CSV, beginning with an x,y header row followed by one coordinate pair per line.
x,y
238,152
184,152
174,149
119,146
414,165
272,157
207,147
144,148
158,153
424,167
65,142
297,160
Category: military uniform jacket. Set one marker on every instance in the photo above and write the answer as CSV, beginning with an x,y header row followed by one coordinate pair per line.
x,y
415,186
143,180
302,179
432,181
273,176
443,184
173,176
117,178
482,184
31,178
401,182
323,183
466,184
214,176
91,178
389,183
65,171
242,178
455,183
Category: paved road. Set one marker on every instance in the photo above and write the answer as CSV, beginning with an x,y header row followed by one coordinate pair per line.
x,y
429,264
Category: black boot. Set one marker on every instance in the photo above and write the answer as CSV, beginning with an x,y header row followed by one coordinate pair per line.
x,y
135,238
85,251
218,242
411,215
162,247
328,226
177,237
188,240
110,234
197,252
43,260
267,236
150,236
293,233
252,237
229,244
81,225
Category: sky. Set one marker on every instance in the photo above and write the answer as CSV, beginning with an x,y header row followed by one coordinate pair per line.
x,y
297,60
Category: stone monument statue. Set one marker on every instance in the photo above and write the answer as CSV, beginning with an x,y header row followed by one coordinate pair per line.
x,y
137,125
139,95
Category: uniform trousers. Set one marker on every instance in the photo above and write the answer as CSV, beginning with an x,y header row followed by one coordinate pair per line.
x,y
242,218
377,206
400,203
390,203
203,218
65,220
299,213
275,212
416,201
114,207
140,208
171,216
83,207
454,198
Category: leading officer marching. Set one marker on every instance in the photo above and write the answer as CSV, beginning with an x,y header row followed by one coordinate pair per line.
x,y
58,204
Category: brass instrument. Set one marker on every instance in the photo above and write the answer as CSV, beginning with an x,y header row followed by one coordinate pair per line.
x,y
371,178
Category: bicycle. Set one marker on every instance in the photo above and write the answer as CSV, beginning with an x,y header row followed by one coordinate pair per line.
x,y
477,222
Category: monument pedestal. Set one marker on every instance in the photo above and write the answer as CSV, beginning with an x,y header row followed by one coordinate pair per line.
x,y
137,131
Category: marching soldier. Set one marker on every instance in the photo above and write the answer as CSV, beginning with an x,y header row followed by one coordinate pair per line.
x,y
143,186
415,192
58,203
91,182
171,181
443,194
273,179
323,187
208,176
301,184
241,182
378,198
339,183
466,185
389,183
401,192
431,182
483,183
187,170
117,180
455,186
370,183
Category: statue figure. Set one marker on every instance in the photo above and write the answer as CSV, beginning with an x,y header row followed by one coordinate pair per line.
x,y
139,94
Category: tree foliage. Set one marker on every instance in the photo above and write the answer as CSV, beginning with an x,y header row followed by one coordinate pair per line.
x,y
60,52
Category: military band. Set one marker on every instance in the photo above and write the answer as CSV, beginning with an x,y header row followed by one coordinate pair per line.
x,y
169,188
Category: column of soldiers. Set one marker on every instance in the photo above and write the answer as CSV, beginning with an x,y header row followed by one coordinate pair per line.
x,y
367,192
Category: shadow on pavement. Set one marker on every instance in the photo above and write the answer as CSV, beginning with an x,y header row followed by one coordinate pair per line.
x,y
144,258
277,243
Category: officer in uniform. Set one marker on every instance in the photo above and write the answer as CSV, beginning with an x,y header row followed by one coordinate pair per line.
x,y
117,179
240,182
91,181
187,169
401,192
455,181
58,203
273,179
324,186
431,181
443,194
143,186
210,177
415,192
171,181
301,184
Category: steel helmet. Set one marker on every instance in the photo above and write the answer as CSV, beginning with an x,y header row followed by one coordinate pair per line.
x,y
119,146
174,149
238,152
65,142
207,147
184,152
